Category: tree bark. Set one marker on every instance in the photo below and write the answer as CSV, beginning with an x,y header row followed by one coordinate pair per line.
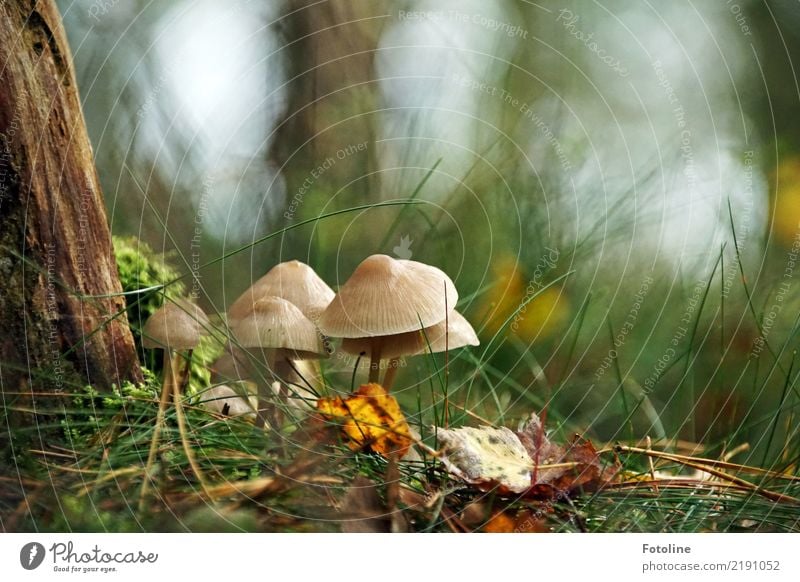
x,y
56,255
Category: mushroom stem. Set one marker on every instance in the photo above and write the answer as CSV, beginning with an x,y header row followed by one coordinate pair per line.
x,y
391,372
299,386
162,407
284,370
287,376
263,404
375,361
264,384
186,372
176,394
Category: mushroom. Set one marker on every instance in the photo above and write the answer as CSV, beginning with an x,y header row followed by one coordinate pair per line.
x,y
294,281
282,333
300,285
385,297
230,366
453,333
224,400
177,325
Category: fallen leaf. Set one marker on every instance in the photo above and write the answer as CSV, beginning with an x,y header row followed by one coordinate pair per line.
x,y
500,522
480,516
525,463
563,470
487,456
372,419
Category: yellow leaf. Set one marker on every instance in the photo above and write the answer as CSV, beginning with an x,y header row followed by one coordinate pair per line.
x,y
372,419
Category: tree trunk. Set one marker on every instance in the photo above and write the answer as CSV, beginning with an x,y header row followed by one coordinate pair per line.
x,y
55,245
331,72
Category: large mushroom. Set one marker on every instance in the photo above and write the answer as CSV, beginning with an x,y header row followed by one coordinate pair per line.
x,y
385,297
453,333
276,332
294,281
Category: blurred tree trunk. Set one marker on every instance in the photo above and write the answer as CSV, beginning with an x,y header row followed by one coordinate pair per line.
x,y
55,245
332,88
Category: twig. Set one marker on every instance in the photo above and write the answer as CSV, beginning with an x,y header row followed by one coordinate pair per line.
x,y
650,462
771,495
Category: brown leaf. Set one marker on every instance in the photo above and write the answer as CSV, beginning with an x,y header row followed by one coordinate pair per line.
x,y
479,516
577,468
500,522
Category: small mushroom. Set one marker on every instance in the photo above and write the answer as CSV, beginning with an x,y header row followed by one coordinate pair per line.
x,y
385,297
224,400
294,281
177,325
282,333
231,366
453,333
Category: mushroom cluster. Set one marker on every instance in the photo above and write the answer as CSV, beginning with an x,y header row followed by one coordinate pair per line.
x,y
387,309
272,329
278,328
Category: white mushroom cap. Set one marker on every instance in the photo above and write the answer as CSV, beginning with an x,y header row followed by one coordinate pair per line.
x,y
412,343
386,296
457,333
276,323
176,325
218,397
294,281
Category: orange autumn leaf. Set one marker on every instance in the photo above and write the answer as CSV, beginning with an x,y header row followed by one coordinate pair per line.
x,y
371,419
500,522
523,521
491,515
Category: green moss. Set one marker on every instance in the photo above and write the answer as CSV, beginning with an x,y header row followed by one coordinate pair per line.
x,y
92,411
140,268
203,356
142,272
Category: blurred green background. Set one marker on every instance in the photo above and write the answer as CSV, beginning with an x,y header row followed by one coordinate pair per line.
x,y
631,170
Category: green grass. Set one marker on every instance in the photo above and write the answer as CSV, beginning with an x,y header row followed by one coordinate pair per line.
x,y
80,465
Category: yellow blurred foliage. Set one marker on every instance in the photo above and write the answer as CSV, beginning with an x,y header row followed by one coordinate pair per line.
x,y
785,184
541,317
